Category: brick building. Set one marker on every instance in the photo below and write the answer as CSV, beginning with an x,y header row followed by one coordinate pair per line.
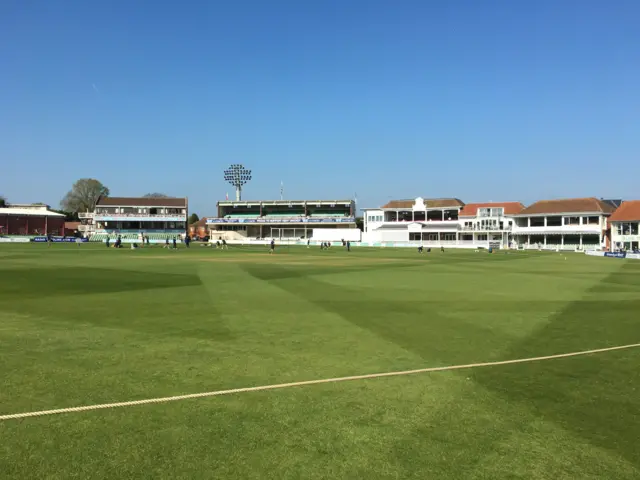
x,y
28,219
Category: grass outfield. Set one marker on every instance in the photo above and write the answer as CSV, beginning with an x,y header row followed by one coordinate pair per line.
x,y
86,325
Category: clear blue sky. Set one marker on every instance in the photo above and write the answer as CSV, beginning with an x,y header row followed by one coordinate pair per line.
x,y
481,100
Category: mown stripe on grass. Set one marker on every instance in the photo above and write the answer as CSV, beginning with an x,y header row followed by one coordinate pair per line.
x,y
131,403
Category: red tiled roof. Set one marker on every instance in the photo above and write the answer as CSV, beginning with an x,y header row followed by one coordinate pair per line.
x,y
429,203
510,208
142,202
629,211
568,205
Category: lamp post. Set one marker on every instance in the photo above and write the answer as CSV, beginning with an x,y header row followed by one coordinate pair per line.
x,y
237,176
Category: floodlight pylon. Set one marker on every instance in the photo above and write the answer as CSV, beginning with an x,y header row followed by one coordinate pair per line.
x,y
237,176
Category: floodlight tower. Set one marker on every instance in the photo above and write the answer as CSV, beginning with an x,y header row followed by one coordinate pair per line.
x,y
237,176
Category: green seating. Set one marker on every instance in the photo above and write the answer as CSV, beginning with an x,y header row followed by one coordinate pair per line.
x,y
284,214
243,215
329,215
101,237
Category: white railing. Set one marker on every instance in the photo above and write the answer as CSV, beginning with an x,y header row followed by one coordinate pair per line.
x,y
564,229
85,214
496,228
138,215
452,221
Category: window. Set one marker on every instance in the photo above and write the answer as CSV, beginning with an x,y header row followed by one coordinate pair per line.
x,y
413,236
482,237
572,220
449,237
554,221
627,228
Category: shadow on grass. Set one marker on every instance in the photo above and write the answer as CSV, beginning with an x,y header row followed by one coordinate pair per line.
x,y
271,272
439,331
24,283
152,303
596,397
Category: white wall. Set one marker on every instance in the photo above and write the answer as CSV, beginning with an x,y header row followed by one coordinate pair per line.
x,y
336,234
399,235
373,219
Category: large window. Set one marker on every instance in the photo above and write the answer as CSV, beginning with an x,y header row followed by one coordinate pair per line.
x,y
419,216
405,216
415,236
451,215
491,212
572,220
449,237
627,228
435,215
554,221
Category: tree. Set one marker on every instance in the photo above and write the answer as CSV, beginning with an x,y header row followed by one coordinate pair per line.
x,y
193,218
156,195
360,223
84,195
68,216
4,203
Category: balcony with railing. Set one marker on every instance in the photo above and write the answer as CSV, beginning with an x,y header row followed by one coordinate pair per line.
x,y
558,229
486,228
85,215
140,216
